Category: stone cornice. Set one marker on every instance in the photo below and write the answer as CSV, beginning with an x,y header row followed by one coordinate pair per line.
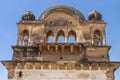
x,y
64,65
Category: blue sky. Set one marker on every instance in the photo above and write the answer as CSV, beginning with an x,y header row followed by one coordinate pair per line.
x,y
12,10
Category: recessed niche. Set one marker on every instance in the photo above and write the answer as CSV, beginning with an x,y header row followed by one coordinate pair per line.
x,y
20,74
50,22
61,58
101,56
71,22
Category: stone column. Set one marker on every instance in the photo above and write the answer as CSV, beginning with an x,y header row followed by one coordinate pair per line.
x,y
66,36
91,34
104,38
71,49
62,49
29,36
66,39
55,37
56,48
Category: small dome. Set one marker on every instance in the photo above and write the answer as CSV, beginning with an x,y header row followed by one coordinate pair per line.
x,y
94,15
28,16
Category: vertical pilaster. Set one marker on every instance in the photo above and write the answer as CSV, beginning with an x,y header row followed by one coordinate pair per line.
x,y
104,38
65,39
62,49
56,48
71,50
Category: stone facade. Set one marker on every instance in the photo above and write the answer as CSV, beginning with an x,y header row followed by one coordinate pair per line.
x,y
39,54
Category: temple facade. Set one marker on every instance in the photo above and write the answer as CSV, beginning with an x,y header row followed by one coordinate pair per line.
x,y
61,45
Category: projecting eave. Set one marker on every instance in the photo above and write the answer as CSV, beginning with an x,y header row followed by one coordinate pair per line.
x,y
92,23
29,23
13,64
108,47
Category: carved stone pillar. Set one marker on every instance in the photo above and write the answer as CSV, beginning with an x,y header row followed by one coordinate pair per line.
x,y
91,34
66,39
55,38
56,48
71,50
104,38
66,36
62,49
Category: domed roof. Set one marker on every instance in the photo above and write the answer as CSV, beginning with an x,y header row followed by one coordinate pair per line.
x,y
28,16
94,15
69,9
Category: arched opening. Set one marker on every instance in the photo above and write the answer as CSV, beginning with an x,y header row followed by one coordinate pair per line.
x,y
97,38
60,37
25,38
71,36
50,37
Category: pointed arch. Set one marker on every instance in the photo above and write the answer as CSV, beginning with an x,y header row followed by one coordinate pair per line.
x,y
71,36
25,34
50,36
97,37
60,36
